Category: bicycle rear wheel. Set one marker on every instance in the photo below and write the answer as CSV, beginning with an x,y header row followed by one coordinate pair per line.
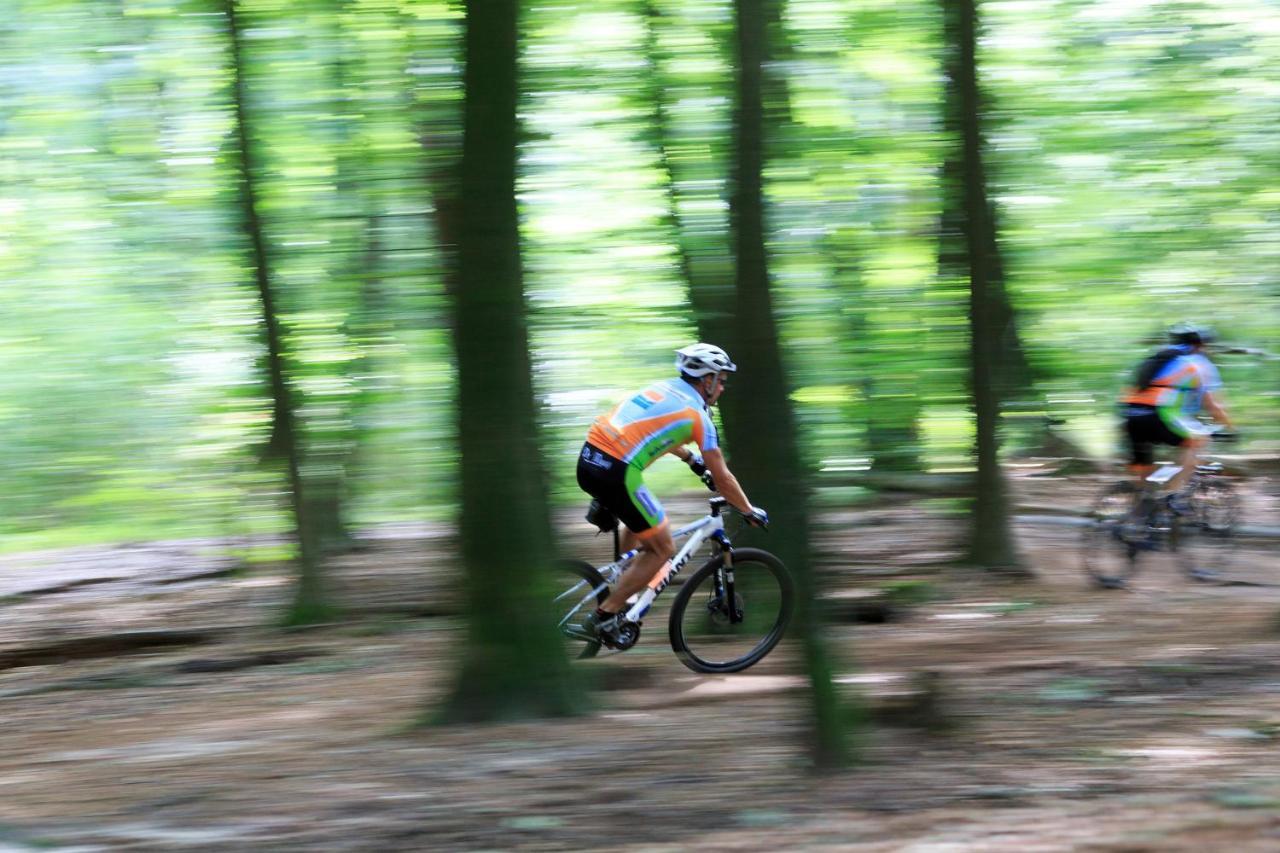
x,y
726,621
1115,540
577,601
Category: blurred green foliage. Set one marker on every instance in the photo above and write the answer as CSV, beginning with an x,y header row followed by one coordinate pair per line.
x,y
1133,162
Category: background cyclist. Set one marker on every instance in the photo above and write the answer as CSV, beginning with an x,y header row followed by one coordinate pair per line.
x,y
660,419
1171,389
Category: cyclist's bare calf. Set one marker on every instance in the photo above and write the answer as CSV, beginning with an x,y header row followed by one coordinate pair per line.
x,y
1188,458
657,547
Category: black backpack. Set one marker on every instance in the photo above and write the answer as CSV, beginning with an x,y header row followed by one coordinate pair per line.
x,y
1152,365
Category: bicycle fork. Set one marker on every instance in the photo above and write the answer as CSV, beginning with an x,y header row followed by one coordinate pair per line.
x,y
724,596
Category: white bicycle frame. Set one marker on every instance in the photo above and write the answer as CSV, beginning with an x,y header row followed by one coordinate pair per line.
x,y
698,532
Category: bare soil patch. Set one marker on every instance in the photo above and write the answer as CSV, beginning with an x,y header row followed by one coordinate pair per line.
x,y
1067,718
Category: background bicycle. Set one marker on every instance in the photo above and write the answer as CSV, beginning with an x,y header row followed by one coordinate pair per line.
x,y
1132,523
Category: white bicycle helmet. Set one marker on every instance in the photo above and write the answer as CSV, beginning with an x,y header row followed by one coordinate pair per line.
x,y
703,359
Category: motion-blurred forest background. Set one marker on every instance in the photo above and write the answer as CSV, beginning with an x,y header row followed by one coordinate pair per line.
x,y
1131,163
307,305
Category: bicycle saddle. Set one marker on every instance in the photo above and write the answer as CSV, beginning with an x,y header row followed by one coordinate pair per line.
x,y
601,517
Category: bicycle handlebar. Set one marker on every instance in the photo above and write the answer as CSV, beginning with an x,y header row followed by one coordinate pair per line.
x,y
720,503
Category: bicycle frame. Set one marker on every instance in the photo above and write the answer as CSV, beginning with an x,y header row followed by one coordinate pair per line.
x,y
710,526
1160,478
1143,509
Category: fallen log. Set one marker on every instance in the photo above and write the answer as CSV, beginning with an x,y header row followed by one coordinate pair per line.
x,y
102,645
270,658
933,485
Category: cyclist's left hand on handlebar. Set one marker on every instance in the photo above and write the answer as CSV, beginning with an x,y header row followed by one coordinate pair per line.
x,y
757,517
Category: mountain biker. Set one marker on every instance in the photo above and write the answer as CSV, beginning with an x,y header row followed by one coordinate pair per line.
x,y
1171,388
660,419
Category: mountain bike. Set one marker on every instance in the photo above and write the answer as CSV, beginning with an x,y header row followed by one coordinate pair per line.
x,y
728,615
1130,521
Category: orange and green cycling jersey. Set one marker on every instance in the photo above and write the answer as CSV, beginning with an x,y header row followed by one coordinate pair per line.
x,y
1176,393
646,425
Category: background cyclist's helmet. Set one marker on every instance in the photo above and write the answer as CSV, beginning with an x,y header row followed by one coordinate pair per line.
x,y
1189,334
703,359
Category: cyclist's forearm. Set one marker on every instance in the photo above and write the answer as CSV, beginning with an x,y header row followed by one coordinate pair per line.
x,y
728,487
1216,411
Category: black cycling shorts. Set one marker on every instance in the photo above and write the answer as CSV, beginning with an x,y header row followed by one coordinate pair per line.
x,y
620,487
1145,429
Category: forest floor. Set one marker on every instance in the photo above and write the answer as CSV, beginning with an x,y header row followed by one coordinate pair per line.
x,y
1055,716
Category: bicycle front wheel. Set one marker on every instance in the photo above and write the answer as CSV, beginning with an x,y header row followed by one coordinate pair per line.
x,y
725,620
1217,505
1116,537
1202,540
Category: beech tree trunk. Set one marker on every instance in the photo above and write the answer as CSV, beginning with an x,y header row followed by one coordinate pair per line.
x,y
309,604
513,661
991,542
760,420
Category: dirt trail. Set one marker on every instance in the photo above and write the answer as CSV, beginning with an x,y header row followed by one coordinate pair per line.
x,y
1075,719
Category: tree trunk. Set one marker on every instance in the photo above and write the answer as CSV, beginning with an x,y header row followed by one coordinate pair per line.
x,y
309,603
888,408
991,543
703,249
513,662
759,416
334,442
1014,374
